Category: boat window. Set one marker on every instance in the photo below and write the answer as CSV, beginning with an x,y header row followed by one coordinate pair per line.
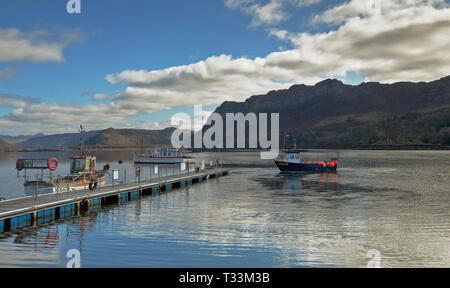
x,y
77,165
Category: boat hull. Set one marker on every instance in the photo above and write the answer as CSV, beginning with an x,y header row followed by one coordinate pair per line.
x,y
158,160
303,167
64,185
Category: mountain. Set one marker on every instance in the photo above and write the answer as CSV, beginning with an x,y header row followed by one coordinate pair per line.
x,y
6,147
329,109
130,138
17,139
98,139
429,129
56,141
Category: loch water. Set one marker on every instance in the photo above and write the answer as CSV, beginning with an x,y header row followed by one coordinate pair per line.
x,y
393,202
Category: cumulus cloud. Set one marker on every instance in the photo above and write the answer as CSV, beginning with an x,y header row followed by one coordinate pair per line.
x,y
266,12
407,41
7,73
404,40
35,46
15,101
184,121
280,34
100,96
208,82
400,40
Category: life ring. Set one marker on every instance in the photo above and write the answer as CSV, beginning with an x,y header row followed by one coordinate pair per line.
x,y
138,170
19,164
50,163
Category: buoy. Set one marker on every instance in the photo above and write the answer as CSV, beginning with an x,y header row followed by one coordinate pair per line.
x,y
52,164
19,164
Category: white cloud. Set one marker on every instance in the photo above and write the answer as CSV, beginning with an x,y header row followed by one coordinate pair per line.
x,y
100,96
266,12
346,11
35,46
15,101
180,120
280,34
407,40
209,82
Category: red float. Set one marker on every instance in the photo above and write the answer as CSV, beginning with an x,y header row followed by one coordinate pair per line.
x,y
52,164
19,164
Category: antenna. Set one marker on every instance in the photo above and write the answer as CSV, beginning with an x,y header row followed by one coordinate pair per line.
x,y
81,140
284,141
82,146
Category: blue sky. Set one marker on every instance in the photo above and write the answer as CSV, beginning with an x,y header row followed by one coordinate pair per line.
x,y
111,37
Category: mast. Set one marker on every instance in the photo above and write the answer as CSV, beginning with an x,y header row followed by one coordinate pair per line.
x,y
81,140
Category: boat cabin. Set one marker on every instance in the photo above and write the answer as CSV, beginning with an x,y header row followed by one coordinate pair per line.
x,y
82,164
290,156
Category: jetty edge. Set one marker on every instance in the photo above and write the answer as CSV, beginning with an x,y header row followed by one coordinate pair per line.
x,y
31,211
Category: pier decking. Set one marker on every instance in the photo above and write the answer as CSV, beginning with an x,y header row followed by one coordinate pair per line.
x,y
36,210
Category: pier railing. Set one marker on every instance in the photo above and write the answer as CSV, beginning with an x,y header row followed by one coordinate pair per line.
x,y
34,210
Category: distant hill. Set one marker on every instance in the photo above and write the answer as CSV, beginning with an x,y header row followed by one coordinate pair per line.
x,y
100,139
56,141
130,138
17,139
315,114
6,147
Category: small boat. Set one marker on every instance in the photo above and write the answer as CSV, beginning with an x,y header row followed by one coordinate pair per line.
x,y
82,176
291,161
162,156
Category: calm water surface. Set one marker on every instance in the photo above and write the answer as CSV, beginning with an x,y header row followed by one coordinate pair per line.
x,y
395,202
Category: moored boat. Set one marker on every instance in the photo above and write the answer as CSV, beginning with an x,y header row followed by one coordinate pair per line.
x,y
162,156
291,161
82,175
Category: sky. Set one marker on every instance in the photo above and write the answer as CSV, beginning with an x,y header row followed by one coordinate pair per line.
x,y
135,64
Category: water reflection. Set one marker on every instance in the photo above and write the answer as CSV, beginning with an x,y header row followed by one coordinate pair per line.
x,y
260,218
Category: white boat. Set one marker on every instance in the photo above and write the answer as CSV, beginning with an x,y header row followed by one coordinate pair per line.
x,y
83,175
161,156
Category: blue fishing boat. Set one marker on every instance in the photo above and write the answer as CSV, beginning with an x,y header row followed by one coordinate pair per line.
x,y
291,161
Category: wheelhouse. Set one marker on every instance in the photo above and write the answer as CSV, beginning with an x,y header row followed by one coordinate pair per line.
x,y
82,164
294,156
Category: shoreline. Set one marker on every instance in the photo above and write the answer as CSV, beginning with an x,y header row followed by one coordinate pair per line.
x,y
362,148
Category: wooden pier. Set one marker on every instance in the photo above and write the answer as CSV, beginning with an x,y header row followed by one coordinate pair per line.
x,y
32,211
